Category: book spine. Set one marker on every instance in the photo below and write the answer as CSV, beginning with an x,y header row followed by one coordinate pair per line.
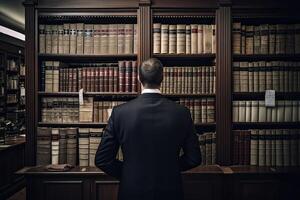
x,y
48,38
194,38
180,39
156,38
200,39
188,39
121,38
88,39
73,40
236,36
60,39
129,38
42,39
79,38
172,39
121,76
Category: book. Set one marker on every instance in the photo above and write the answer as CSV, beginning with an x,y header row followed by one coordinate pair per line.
x,y
88,39
66,39
83,145
129,38
60,29
79,38
42,38
54,146
62,157
156,38
43,146
72,146
181,44
200,38
236,37
172,38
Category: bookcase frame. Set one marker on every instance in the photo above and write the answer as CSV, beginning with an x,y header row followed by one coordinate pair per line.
x,y
223,11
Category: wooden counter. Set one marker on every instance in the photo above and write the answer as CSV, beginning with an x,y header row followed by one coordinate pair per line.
x,y
203,182
12,157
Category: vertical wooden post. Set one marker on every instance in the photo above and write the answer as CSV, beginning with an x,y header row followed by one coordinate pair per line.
x,y
31,81
223,83
145,30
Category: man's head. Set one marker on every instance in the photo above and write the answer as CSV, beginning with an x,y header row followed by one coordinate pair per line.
x,y
151,73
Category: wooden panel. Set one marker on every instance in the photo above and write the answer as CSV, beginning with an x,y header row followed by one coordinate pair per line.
x,y
256,189
87,3
223,85
107,190
184,4
194,190
30,83
54,190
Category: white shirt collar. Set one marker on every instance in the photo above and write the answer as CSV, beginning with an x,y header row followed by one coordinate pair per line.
x,y
151,91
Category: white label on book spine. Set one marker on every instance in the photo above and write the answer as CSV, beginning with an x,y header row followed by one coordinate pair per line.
x,y
270,98
22,92
81,96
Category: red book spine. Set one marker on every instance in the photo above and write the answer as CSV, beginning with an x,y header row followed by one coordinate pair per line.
x,y
128,74
101,79
84,78
96,79
79,78
92,79
116,77
88,78
106,79
110,79
134,76
121,76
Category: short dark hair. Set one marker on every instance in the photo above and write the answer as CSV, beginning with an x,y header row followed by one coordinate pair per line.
x,y
151,73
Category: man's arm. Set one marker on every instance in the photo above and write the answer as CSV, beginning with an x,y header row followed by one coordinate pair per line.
x,y
191,148
105,158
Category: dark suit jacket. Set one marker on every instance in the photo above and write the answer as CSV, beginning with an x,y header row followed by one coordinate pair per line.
x,y
151,130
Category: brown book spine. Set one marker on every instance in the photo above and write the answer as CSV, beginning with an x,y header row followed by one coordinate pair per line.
x,y
134,76
106,80
88,79
241,147
128,75
96,79
110,79
75,80
93,79
236,137
101,79
84,77
70,73
61,78
116,79
79,78
121,76
247,147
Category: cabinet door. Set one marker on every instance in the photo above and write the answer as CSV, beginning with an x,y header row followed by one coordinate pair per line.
x,y
106,190
256,188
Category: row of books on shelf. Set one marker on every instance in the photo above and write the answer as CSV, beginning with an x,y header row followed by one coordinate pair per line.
x,y
68,110
207,143
12,82
75,146
202,109
184,39
11,98
257,111
189,80
78,146
272,147
259,76
90,39
266,38
93,77
12,65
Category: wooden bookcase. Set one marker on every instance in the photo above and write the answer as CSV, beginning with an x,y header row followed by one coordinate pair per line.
x,y
11,49
223,14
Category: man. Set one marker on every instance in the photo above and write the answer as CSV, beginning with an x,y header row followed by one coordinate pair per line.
x,y
151,130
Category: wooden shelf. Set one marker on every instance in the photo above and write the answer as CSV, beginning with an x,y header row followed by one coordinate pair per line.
x,y
74,124
185,56
189,95
261,95
86,58
265,125
95,94
266,57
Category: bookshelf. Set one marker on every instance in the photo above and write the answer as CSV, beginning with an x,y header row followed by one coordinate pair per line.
x,y
265,57
145,14
11,101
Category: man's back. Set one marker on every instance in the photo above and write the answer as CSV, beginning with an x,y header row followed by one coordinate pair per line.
x,y
150,130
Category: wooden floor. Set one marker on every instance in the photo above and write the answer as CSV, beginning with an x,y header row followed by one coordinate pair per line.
x,y
20,195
